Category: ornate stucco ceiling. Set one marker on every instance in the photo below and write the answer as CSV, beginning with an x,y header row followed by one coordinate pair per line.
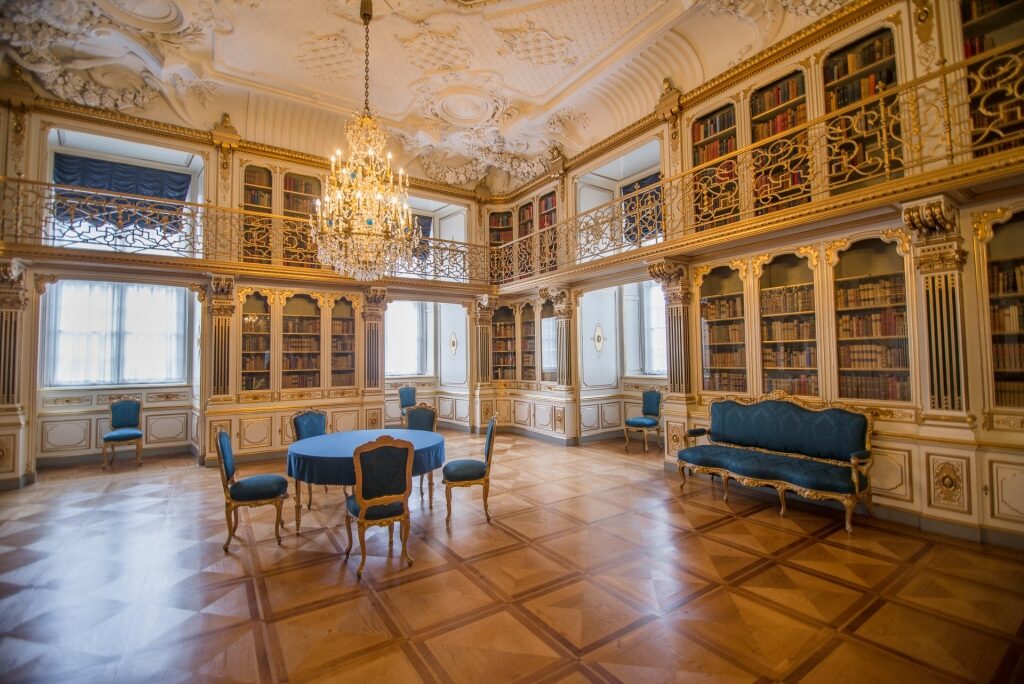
x,y
471,88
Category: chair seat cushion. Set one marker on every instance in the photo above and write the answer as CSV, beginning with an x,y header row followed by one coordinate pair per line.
x,y
799,472
122,435
642,422
374,512
258,487
464,470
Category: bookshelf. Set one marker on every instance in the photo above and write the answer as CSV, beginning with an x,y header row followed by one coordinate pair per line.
x,y
872,349
547,213
257,196
300,343
781,170
789,340
255,347
641,209
716,188
343,344
723,347
1006,312
524,258
503,344
528,341
300,196
854,73
499,227
997,124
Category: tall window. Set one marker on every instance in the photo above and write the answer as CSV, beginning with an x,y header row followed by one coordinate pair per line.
x,y
98,333
409,338
643,325
549,345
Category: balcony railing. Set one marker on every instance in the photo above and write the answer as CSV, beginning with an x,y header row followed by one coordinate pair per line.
x,y
970,111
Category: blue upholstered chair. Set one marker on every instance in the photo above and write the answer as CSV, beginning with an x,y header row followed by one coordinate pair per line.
x,y
406,400
423,417
381,498
125,428
309,423
650,420
467,472
256,490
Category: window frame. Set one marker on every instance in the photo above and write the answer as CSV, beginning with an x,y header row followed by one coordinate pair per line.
x,y
640,328
426,348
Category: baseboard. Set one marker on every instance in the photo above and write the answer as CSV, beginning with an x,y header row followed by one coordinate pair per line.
x,y
122,456
913,519
13,483
617,434
457,427
512,429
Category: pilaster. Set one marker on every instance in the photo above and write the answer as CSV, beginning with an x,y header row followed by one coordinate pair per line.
x,y
374,302
675,284
483,312
220,307
15,466
565,313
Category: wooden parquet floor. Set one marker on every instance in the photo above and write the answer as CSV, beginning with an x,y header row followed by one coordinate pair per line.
x,y
596,568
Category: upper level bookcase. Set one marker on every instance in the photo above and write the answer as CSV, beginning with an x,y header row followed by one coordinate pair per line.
x,y
723,347
499,227
300,196
781,176
854,73
642,215
524,255
548,215
716,188
257,196
997,123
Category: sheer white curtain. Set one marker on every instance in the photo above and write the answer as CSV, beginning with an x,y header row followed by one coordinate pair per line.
x,y
409,338
98,333
655,356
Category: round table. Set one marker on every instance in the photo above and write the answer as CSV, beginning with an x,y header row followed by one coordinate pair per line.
x,y
327,459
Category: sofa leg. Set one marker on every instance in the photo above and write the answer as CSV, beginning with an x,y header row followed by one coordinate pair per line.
x,y
725,488
682,476
782,501
625,433
848,505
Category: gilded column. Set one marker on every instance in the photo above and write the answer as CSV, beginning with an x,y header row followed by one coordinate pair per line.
x,y
14,465
374,303
483,312
939,260
565,311
220,305
675,284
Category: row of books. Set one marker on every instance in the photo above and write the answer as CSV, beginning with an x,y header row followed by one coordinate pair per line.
x,y
504,329
343,379
302,205
307,186
790,358
713,124
873,356
710,309
891,387
787,299
725,381
500,236
547,203
1009,393
255,382
342,363
504,373
529,359
300,362
255,363
724,359
1007,317
1008,356
342,345
503,358
713,150
723,333
300,380
503,345
257,176
256,344
255,326
857,90
886,290
977,45
979,8
781,331
773,96
888,323
780,182
805,384
309,325
341,326
500,219
838,66
782,121
257,198
301,344
1006,278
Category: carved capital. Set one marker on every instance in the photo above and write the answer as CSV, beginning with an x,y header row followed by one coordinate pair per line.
x,y
483,310
13,295
561,300
941,257
374,301
935,217
221,286
673,279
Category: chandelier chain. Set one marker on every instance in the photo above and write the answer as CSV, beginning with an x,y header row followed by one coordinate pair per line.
x,y
366,68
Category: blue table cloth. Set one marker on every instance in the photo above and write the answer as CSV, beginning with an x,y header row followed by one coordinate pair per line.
x,y
327,459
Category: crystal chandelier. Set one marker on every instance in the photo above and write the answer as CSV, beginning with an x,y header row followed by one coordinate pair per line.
x,y
363,227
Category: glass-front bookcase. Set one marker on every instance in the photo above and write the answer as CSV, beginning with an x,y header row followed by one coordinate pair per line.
x,y
1006,311
715,188
723,344
300,343
524,252
255,343
503,344
781,166
789,345
528,341
300,196
548,216
872,349
257,198
343,344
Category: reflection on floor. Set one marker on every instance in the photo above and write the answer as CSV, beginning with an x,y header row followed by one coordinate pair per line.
x,y
596,568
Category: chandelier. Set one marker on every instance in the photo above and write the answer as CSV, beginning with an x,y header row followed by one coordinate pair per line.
x,y
363,227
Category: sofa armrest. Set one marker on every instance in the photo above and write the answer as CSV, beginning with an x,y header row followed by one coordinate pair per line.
x,y
860,457
692,434
858,460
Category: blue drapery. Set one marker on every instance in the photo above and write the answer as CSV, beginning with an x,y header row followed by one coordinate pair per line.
x,y
103,175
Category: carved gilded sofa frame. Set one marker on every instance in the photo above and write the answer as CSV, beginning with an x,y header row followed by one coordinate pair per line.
x,y
858,466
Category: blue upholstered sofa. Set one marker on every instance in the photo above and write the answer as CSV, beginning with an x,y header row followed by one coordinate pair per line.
x,y
778,441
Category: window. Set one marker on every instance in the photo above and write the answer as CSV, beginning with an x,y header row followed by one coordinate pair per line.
x,y
98,333
643,325
549,345
409,338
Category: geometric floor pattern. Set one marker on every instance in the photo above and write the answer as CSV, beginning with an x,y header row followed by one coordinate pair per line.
x,y
595,568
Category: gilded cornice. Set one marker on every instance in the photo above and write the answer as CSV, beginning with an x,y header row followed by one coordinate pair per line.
x,y
639,127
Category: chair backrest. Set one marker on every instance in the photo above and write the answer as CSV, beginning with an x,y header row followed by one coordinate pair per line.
x,y
309,424
226,457
125,413
489,440
652,403
421,417
406,397
383,472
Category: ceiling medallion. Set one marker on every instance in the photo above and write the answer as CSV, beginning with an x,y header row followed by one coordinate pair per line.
x,y
363,226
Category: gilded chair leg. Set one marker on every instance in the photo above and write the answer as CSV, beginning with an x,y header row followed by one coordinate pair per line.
x,y
362,547
430,487
278,522
487,487
725,488
682,476
645,441
391,535
405,540
104,456
231,527
448,502
348,528
138,454
848,505
625,433
782,501
309,492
